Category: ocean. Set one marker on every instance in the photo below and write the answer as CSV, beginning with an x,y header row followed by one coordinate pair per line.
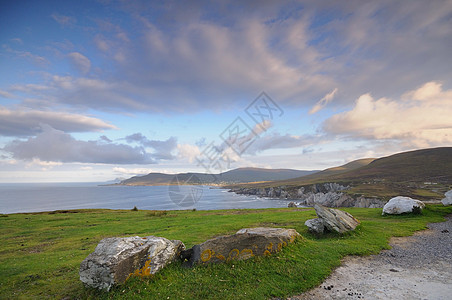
x,y
36,197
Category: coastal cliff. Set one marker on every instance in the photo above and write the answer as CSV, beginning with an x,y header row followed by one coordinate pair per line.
x,y
327,194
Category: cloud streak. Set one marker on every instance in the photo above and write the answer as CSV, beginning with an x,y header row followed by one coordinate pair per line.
x,y
29,122
323,102
206,62
81,62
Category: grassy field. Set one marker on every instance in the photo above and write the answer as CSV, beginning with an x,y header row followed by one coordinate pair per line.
x,y
40,253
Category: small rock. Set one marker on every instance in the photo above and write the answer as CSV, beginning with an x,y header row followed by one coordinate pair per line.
x,y
336,220
291,204
393,270
448,199
315,225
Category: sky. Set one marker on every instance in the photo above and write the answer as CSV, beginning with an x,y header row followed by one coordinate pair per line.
x,y
99,90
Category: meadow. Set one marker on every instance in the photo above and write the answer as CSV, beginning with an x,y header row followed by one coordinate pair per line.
x,y
40,253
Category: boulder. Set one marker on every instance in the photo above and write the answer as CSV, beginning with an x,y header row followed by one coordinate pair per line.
x,y
291,204
115,259
336,220
448,199
315,225
400,204
246,243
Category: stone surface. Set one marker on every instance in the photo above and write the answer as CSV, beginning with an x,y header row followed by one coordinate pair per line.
x,y
291,204
115,259
315,225
400,204
336,220
246,243
448,199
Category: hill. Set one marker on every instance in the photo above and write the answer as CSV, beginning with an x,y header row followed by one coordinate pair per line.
x,y
424,174
241,175
319,176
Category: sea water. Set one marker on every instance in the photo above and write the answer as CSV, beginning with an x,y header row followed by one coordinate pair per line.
x,y
35,197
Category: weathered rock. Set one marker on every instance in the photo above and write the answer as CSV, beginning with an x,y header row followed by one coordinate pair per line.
x,y
246,243
115,259
315,225
326,194
400,204
336,220
291,204
448,199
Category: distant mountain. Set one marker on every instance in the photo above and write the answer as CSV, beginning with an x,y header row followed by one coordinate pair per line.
x,y
241,175
424,174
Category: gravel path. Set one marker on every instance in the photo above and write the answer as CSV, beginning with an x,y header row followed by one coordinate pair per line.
x,y
417,267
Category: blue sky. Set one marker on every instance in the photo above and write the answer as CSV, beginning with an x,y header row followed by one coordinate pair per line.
x,y
96,90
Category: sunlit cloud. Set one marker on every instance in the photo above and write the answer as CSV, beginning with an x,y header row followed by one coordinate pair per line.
x,y
421,119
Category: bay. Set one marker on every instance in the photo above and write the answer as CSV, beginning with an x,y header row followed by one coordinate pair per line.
x,y
36,197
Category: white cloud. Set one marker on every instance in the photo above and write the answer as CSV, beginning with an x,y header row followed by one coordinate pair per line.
x,y
131,171
64,20
45,164
187,151
6,94
27,122
81,62
421,119
323,102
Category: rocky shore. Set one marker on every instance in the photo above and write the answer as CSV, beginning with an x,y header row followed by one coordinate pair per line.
x,y
327,194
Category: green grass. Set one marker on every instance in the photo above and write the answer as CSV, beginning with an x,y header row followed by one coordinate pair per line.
x,y
40,253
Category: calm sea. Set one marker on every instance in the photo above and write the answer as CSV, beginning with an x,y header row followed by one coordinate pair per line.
x,y
56,196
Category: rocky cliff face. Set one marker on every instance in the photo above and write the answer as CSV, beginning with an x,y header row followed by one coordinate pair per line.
x,y
327,194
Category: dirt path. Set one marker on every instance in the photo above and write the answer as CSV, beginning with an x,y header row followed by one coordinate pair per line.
x,y
417,267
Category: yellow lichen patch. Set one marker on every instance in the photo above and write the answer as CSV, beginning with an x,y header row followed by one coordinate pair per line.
x,y
279,246
206,255
220,257
270,247
267,253
234,253
144,271
292,238
246,253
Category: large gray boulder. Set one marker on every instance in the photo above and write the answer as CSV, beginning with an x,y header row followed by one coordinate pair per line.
x,y
448,199
315,225
336,220
246,243
115,259
400,205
